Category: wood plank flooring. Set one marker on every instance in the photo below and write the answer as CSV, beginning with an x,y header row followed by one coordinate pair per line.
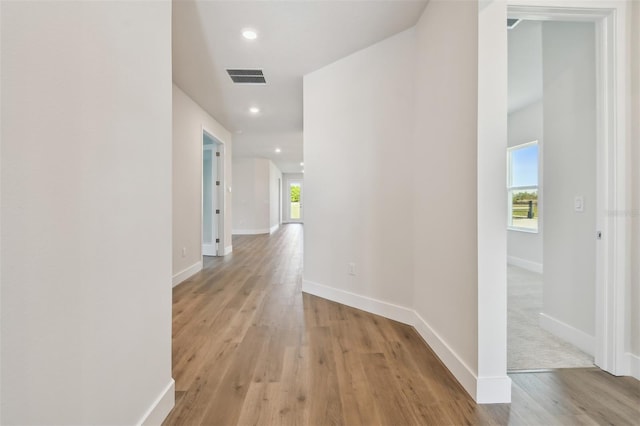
x,y
250,349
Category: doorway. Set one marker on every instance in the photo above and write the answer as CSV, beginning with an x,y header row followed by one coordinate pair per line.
x,y
212,196
609,235
295,198
279,201
551,167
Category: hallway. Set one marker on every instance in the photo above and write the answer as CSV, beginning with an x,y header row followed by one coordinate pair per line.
x,y
249,348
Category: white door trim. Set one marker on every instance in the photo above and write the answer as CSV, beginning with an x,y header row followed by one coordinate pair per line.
x,y
612,277
214,249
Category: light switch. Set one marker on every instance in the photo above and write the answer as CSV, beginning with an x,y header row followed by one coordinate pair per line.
x,y
578,203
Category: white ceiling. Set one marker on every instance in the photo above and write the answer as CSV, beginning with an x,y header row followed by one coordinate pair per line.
x,y
525,64
294,38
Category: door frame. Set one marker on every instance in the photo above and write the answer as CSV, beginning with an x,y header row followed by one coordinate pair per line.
x,y
611,178
220,196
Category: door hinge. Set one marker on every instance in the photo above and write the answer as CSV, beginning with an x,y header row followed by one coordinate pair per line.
x,y
217,183
217,154
217,240
217,211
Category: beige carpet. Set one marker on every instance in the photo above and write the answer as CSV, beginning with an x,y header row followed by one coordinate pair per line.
x,y
529,346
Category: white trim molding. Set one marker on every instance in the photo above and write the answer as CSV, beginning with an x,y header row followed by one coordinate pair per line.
x,y
633,365
364,303
228,250
187,273
251,231
209,249
613,57
484,390
161,407
221,193
492,383
447,355
525,264
492,390
274,228
569,333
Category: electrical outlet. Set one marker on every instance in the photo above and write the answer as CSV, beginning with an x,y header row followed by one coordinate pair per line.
x,y
184,252
351,268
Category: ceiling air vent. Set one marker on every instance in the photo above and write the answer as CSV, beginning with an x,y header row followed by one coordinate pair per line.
x,y
247,76
512,22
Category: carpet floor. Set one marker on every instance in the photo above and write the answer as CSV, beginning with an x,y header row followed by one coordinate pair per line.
x,y
529,347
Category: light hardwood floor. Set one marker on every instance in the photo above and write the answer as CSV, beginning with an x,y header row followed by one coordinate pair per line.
x,y
249,348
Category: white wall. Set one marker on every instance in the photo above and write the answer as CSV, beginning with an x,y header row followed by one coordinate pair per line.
x,y
569,161
525,125
275,202
358,130
255,201
188,121
286,178
444,158
524,82
86,212
391,172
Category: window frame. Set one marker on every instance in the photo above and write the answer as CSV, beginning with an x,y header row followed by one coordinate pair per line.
x,y
511,188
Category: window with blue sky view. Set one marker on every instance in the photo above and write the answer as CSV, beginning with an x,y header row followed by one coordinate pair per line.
x,y
522,186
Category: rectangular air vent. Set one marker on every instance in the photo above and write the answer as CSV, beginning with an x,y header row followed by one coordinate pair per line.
x,y
247,76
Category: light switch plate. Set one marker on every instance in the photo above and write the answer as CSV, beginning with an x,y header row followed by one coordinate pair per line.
x,y
578,203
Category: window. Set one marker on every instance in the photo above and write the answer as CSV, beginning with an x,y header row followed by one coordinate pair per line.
x,y
522,187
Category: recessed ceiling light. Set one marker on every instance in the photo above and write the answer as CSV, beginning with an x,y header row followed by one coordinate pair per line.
x,y
249,34
254,110
302,164
302,170
278,150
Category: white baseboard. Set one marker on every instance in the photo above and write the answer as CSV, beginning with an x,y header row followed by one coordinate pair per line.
x,y
484,389
274,228
228,250
459,368
161,407
633,365
577,338
525,264
493,390
250,231
375,306
209,249
186,273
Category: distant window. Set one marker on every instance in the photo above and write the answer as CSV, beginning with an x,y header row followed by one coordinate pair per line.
x,y
522,187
